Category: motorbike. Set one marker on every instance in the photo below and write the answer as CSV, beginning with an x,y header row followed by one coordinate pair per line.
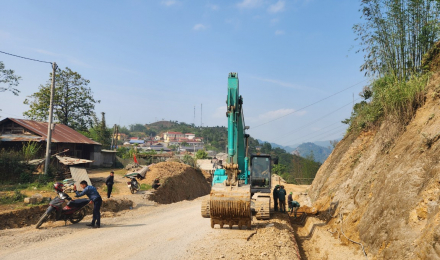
x,y
133,185
74,211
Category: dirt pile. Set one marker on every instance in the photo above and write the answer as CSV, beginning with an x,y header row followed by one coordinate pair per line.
x,y
271,239
30,216
387,183
178,182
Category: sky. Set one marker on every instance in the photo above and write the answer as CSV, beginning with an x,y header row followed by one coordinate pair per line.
x,y
158,60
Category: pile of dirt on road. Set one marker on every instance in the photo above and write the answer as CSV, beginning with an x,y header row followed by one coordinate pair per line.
x,y
268,239
30,216
178,182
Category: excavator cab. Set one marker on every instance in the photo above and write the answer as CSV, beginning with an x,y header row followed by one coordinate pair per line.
x,y
260,177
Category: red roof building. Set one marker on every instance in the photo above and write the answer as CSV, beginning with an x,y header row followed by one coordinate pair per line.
x,y
15,132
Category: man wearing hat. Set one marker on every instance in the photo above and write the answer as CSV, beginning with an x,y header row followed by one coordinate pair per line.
x,y
109,182
275,197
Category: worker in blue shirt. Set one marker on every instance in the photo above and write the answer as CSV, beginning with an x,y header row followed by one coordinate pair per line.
x,y
95,198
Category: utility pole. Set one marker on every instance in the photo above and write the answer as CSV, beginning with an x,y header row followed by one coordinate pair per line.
x,y
49,125
201,115
117,136
113,137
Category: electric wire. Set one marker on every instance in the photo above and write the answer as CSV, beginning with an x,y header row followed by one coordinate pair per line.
x,y
314,133
314,103
317,120
25,57
326,133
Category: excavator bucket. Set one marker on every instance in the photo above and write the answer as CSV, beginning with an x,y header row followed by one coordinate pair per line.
x,y
230,206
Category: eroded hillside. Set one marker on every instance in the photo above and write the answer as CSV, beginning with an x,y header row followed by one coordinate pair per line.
x,y
387,183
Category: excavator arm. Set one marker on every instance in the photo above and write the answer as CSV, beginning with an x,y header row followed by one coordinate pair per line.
x,y
230,198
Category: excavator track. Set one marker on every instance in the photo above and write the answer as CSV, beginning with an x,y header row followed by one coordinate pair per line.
x,y
230,206
205,209
262,206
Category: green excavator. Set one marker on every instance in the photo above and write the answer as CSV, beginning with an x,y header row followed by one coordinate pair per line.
x,y
242,185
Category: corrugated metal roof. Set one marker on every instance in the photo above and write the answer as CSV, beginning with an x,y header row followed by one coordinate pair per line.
x,y
60,134
72,161
21,138
79,174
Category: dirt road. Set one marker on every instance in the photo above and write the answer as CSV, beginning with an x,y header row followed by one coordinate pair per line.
x,y
174,231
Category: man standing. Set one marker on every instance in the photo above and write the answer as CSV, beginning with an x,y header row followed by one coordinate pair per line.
x,y
95,198
275,197
109,182
282,198
289,201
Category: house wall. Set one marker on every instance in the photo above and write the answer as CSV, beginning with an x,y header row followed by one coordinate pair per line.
x,y
103,159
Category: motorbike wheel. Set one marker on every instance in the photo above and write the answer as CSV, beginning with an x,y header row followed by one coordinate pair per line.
x,y
77,216
132,190
43,219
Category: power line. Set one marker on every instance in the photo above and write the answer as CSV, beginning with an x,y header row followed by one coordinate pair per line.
x,y
316,135
25,57
334,94
326,136
317,120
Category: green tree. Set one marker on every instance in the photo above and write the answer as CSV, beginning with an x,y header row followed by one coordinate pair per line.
x,y
266,148
124,130
137,128
73,101
188,159
8,78
99,132
279,169
103,134
395,34
201,154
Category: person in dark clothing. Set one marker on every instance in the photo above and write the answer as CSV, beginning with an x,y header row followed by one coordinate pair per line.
x,y
156,184
275,197
289,200
295,206
282,198
109,182
95,198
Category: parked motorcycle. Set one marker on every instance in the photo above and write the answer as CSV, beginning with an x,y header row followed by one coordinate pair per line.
x,y
133,185
74,211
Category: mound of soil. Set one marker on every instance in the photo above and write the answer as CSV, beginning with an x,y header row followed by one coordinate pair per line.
x,y
270,239
30,216
178,182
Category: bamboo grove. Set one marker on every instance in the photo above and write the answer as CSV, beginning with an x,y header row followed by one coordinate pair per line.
x,y
395,34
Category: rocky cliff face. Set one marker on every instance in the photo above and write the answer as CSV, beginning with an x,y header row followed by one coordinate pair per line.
x,y
387,183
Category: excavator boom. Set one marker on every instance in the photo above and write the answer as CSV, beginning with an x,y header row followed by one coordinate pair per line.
x,y
230,197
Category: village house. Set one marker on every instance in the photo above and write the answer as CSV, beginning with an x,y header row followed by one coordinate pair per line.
x,y
172,136
15,133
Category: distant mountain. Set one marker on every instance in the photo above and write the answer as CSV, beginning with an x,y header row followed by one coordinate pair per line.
x,y
325,144
288,149
320,153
